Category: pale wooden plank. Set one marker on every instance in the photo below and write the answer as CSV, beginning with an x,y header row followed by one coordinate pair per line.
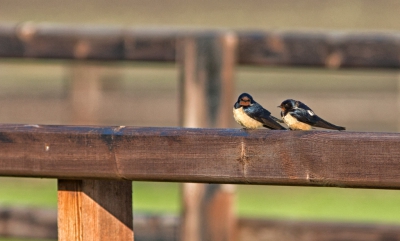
x,y
95,210
70,210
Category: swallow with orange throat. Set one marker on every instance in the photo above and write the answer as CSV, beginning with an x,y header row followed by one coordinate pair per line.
x,y
298,116
251,115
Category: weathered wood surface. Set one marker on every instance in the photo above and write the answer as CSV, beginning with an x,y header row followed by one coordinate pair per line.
x,y
95,210
206,87
319,48
314,158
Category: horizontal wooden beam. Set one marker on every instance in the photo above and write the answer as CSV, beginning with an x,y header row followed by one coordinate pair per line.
x,y
276,48
320,49
314,158
28,40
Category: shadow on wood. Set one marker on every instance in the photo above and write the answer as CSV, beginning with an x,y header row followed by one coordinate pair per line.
x,y
95,210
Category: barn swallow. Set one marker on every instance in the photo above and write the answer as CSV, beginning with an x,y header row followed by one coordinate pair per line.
x,y
252,115
298,116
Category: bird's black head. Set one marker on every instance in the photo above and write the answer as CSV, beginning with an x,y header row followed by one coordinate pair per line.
x,y
287,105
244,100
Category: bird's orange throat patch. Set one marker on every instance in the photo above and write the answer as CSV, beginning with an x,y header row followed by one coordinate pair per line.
x,y
245,101
242,103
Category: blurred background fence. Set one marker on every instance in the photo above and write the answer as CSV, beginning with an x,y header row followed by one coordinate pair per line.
x,y
95,93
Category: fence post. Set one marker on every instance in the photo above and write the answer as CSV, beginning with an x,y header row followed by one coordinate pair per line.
x,y
398,103
95,210
84,92
207,62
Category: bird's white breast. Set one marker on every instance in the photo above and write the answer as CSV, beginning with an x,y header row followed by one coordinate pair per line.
x,y
244,120
294,124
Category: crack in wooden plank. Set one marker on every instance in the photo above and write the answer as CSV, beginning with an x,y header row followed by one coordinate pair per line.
x,y
244,160
110,140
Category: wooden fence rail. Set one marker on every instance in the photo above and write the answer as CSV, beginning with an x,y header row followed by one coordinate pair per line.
x,y
290,48
95,165
315,158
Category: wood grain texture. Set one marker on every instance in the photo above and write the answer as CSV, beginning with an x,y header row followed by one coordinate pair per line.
x,y
318,48
309,158
95,210
70,210
107,210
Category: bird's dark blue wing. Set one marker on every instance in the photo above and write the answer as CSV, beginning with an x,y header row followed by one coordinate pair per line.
x,y
302,115
262,115
303,106
307,116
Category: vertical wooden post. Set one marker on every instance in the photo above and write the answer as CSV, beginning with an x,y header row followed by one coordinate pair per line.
x,y
398,102
87,83
206,88
85,92
95,210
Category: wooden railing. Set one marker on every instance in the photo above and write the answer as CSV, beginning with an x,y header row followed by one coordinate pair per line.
x,y
95,165
202,155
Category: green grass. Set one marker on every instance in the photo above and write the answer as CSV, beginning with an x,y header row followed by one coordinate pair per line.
x,y
311,203
314,203
153,197
28,191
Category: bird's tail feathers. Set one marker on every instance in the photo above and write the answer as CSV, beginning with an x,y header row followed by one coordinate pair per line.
x,y
324,124
275,127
